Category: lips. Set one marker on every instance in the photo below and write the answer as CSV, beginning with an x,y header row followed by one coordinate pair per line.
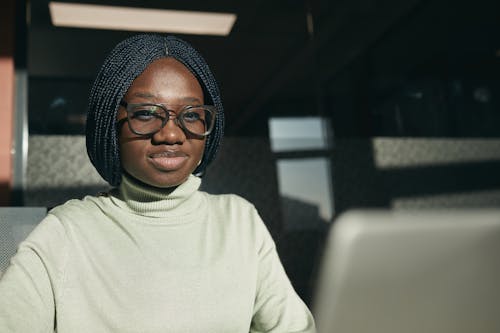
x,y
169,160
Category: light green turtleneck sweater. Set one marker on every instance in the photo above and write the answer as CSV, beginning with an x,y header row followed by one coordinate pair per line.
x,y
138,260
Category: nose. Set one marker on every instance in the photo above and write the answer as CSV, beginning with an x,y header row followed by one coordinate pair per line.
x,y
171,133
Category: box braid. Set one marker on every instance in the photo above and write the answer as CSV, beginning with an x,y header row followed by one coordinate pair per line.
x,y
126,62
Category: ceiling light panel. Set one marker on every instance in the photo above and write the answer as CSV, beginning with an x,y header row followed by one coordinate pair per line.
x,y
77,15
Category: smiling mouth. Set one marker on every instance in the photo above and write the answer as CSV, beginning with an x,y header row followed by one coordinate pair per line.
x,y
168,161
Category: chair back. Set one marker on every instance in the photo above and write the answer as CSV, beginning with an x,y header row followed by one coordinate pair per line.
x,y
15,225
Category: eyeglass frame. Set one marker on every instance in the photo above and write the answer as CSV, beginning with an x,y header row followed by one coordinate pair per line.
x,y
164,120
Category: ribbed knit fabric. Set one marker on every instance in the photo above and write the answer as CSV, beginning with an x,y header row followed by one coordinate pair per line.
x,y
139,260
148,201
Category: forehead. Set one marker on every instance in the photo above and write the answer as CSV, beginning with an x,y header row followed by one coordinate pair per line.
x,y
166,77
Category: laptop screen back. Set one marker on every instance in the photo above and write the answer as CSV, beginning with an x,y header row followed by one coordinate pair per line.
x,y
411,272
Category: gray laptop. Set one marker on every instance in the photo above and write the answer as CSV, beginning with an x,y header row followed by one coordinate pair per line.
x,y
425,272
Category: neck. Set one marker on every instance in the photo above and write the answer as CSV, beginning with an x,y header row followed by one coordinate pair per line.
x,y
148,187
142,199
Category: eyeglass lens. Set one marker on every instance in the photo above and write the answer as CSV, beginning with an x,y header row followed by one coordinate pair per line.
x,y
148,119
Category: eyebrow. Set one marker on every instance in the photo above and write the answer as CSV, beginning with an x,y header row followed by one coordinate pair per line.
x,y
144,95
187,99
191,100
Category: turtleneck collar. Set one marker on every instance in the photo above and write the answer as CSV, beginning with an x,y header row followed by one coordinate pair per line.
x,y
139,199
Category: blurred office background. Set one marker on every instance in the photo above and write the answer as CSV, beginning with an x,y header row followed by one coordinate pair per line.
x,y
330,105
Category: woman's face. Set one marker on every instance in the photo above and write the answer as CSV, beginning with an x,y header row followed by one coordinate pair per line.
x,y
167,158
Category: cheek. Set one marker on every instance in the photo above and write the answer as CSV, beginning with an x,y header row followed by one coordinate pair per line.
x,y
124,157
130,151
121,145
200,150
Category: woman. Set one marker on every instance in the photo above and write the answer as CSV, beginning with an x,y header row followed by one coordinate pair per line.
x,y
154,254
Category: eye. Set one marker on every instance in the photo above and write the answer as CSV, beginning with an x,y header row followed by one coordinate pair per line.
x,y
145,113
191,116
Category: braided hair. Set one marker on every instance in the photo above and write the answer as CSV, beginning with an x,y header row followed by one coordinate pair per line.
x,y
126,62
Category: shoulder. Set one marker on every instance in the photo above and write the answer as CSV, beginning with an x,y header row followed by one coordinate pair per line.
x,y
76,207
231,205
232,200
79,216
54,223
237,213
57,217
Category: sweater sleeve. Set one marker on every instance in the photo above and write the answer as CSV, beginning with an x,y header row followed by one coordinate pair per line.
x,y
27,296
277,307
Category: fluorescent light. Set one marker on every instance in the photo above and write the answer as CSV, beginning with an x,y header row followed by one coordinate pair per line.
x,y
79,15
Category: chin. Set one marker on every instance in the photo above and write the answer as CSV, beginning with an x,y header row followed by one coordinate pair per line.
x,y
161,181
166,183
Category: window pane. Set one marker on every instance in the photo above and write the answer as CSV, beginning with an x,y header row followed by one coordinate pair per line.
x,y
306,192
300,133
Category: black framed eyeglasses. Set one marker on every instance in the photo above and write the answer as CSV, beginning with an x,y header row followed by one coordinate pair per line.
x,y
147,118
